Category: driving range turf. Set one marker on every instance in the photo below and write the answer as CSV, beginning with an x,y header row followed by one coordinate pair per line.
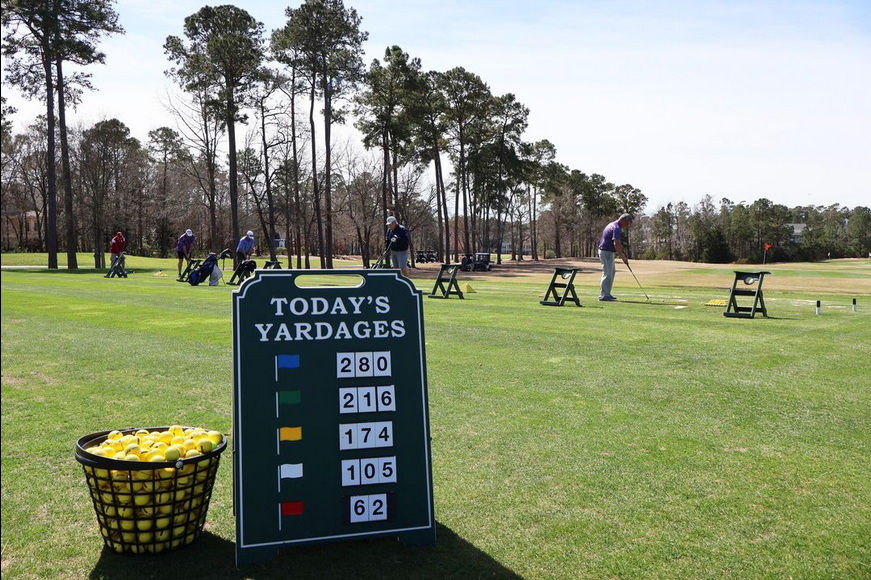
x,y
619,440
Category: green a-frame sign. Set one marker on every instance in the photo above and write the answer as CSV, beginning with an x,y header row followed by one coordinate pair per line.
x,y
331,435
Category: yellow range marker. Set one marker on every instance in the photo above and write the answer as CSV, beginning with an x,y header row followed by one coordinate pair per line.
x,y
717,302
290,433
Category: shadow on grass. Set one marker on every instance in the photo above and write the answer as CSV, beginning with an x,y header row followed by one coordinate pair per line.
x,y
654,302
91,271
213,557
44,270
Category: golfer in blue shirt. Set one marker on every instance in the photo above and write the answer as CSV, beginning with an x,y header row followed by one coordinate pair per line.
x,y
609,247
245,247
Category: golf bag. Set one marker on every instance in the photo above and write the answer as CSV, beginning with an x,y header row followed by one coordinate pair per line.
x,y
227,253
202,273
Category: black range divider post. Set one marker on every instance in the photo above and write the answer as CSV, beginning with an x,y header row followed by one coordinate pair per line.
x,y
243,270
447,273
186,273
331,437
117,268
568,288
749,279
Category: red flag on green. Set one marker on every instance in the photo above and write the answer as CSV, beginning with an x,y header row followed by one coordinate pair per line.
x,y
767,246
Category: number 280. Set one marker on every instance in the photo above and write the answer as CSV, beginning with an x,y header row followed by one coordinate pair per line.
x,y
362,364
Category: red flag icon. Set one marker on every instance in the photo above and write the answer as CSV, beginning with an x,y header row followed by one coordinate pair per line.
x,y
767,247
292,508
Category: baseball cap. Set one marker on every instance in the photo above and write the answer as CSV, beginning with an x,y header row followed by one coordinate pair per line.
x,y
189,233
250,234
391,220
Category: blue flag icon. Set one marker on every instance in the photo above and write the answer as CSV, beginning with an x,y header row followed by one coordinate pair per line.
x,y
286,361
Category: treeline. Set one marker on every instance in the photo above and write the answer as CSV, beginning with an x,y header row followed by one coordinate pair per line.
x,y
439,151
712,232
736,232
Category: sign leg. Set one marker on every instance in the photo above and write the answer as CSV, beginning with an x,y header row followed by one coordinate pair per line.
x,y
418,538
247,556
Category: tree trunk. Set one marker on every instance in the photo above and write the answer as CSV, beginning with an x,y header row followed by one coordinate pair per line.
x,y
315,193
72,262
308,244
394,166
296,201
465,187
163,242
213,207
471,215
270,206
364,251
385,172
287,230
457,221
441,245
51,218
96,234
557,242
500,234
140,222
533,228
328,170
234,191
443,199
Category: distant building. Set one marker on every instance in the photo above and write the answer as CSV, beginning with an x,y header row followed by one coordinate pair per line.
x,y
797,231
19,230
506,247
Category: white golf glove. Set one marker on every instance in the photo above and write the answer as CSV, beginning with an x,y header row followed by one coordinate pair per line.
x,y
393,239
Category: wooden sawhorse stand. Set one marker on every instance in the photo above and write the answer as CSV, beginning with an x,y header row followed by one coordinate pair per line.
x,y
447,273
749,278
568,288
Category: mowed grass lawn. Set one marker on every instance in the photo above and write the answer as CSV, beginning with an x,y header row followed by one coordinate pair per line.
x,y
621,440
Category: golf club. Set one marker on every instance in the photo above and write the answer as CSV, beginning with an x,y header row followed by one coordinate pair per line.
x,y
639,283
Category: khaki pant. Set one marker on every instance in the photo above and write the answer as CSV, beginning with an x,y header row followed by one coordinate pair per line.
x,y
608,269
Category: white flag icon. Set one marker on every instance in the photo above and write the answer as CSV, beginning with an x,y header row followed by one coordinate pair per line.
x,y
291,470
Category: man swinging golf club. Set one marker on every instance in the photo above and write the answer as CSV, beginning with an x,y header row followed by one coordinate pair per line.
x,y
117,247
244,248
184,248
397,243
609,247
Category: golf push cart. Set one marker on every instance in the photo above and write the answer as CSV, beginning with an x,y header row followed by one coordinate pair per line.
x,y
479,262
426,256
383,261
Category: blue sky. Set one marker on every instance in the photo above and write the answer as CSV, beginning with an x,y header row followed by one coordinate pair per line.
x,y
740,99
